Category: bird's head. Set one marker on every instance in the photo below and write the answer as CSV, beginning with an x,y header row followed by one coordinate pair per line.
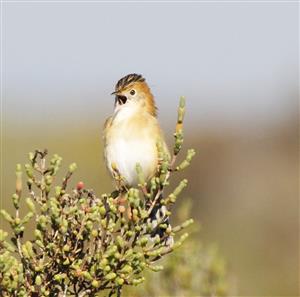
x,y
132,89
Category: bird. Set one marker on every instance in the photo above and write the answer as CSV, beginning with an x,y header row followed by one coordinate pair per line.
x,y
130,137
131,134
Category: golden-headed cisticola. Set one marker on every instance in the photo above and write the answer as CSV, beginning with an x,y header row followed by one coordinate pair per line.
x,y
131,134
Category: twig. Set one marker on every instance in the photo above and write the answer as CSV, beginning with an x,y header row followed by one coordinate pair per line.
x,y
66,180
160,191
83,293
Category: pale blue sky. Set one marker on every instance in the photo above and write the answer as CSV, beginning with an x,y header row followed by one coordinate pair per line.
x,y
237,63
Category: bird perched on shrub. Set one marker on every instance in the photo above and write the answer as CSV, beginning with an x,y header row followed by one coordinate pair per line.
x,y
131,136
132,132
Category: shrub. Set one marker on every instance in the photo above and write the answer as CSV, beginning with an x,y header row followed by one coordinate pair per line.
x,y
82,243
197,269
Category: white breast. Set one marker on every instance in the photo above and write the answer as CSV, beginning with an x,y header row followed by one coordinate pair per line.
x,y
126,153
126,149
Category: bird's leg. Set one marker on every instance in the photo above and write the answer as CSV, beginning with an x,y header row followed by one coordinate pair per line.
x,y
121,202
120,181
159,163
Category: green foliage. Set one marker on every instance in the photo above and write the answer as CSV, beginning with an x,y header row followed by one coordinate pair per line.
x,y
82,243
195,270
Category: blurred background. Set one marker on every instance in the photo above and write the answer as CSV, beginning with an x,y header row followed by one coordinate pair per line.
x,y
236,64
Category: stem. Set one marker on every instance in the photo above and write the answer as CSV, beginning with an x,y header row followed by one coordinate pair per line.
x,y
160,191
83,293
119,291
66,179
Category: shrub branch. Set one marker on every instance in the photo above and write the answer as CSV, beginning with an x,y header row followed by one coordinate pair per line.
x,y
82,243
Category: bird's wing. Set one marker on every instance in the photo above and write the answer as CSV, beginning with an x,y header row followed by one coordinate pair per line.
x,y
107,124
106,127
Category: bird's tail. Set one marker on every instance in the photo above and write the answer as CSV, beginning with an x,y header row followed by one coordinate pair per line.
x,y
161,225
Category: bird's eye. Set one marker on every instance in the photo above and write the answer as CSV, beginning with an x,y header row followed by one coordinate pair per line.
x,y
132,92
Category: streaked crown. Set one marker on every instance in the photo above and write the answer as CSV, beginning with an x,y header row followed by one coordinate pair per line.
x,y
133,88
127,80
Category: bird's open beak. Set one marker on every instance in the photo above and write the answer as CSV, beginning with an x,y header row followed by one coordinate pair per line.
x,y
121,99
